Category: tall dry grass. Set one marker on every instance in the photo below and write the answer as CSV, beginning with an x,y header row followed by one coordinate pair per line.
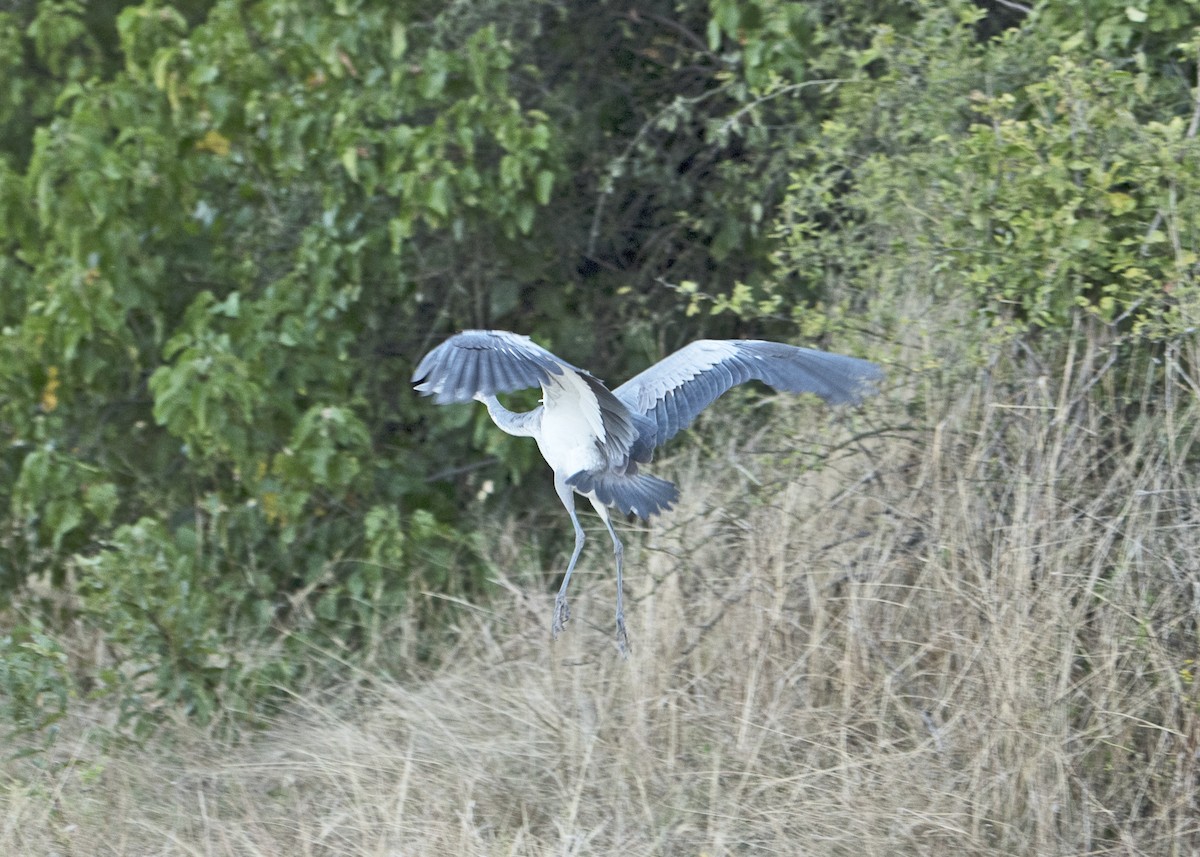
x,y
971,630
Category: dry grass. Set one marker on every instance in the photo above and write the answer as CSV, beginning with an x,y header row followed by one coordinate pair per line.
x,y
969,632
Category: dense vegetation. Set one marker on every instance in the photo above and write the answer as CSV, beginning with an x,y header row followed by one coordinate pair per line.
x,y
230,228
972,631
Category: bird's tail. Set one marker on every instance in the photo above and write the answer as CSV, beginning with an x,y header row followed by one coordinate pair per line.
x,y
638,494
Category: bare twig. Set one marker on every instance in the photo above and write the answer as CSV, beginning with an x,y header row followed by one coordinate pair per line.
x,y
617,165
698,42
1020,7
786,90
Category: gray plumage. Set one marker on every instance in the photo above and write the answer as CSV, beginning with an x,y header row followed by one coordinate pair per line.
x,y
594,439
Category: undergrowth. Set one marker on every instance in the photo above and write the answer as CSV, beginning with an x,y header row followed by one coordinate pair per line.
x,y
961,620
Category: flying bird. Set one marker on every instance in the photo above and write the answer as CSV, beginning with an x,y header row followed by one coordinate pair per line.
x,y
594,439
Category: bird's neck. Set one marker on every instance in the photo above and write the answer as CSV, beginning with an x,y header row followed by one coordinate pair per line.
x,y
520,424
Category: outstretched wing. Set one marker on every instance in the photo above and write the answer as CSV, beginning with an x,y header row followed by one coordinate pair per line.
x,y
577,406
675,390
485,362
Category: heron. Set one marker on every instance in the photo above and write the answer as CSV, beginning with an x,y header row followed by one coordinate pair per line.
x,y
595,439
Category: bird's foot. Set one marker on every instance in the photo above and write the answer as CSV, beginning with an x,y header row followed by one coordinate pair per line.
x,y
562,615
622,636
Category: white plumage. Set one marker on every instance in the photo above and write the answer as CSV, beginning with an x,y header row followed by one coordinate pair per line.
x,y
594,439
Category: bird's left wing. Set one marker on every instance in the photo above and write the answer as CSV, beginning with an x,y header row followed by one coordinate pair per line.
x,y
484,362
675,390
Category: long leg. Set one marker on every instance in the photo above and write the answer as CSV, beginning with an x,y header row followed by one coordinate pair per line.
x,y
619,553
561,611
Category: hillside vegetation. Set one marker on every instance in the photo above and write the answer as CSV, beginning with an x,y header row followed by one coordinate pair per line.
x,y
256,598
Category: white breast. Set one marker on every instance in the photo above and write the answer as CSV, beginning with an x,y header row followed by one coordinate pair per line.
x,y
571,426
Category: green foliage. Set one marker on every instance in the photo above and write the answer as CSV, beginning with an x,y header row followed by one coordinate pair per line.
x,y
1019,169
35,681
227,230
156,598
57,495
1074,199
207,254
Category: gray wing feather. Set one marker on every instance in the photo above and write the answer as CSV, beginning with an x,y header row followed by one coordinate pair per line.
x,y
675,390
620,430
489,362
484,362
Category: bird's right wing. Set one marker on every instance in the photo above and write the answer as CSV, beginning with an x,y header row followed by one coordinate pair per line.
x,y
488,362
675,390
484,362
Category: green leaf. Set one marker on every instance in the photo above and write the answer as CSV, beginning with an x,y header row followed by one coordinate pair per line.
x,y
543,186
101,500
350,161
713,33
1120,203
439,196
525,213
399,40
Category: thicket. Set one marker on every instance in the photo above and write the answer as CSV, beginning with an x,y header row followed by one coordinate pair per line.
x,y
229,229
